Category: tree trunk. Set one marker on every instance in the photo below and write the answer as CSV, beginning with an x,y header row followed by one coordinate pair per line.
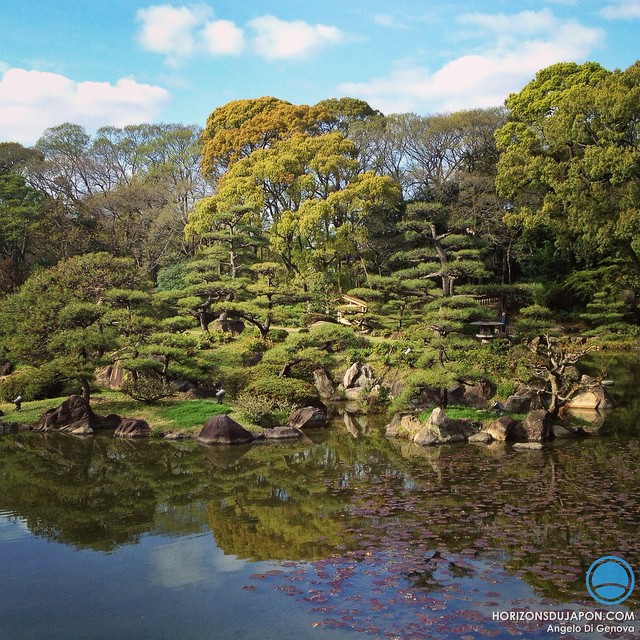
x,y
86,389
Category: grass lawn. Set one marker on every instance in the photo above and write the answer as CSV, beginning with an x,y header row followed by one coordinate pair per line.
x,y
469,413
171,414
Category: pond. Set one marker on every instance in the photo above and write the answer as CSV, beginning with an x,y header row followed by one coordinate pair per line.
x,y
347,536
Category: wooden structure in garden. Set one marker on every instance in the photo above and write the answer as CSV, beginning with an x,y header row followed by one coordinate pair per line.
x,y
351,310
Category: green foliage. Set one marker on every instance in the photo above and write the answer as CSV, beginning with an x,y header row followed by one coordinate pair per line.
x,y
194,413
292,390
534,320
32,383
172,277
333,338
263,410
148,387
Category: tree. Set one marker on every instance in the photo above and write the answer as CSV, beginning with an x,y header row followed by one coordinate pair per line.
x,y
240,127
62,321
570,159
551,359
435,251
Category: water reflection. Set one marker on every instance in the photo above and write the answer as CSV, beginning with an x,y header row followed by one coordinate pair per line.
x,y
479,524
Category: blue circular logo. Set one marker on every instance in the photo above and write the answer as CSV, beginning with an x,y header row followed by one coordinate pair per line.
x,y
610,580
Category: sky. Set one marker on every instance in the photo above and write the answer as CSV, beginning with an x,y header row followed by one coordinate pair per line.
x,y
119,62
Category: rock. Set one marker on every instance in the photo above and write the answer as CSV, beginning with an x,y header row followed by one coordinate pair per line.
x,y
12,427
440,429
482,437
176,436
479,394
112,376
565,431
182,386
403,426
202,391
133,428
358,375
589,394
6,368
283,433
517,404
455,394
111,421
367,378
223,430
234,327
537,425
594,398
518,432
323,383
308,417
354,393
501,428
429,398
528,446
82,431
74,413
351,375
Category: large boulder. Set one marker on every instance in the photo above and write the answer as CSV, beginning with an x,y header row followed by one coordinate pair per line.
x,y
133,428
111,421
223,430
403,426
112,376
351,375
501,428
589,394
517,404
482,437
359,375
323,383
284,433
478,395
440,429
537,425
73,415
307,417
13,427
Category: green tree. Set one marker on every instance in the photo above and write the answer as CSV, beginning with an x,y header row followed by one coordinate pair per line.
x,y
62,323
570,159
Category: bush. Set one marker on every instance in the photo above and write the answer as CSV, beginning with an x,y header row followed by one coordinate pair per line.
x,y
296,392
31,383
278,335
334,338
263,410
148,387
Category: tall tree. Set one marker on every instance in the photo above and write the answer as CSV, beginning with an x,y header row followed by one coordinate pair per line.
x,y
61,321
570,159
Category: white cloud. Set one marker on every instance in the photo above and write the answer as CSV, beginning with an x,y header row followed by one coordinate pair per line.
x,y
223,37
387,21
622,10
279,39
170,30
31,101
513,49
179,33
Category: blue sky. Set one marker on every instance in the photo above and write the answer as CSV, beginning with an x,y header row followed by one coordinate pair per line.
x,y
118,62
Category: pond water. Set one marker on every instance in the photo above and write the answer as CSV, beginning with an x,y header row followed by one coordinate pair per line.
x,y
348,536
